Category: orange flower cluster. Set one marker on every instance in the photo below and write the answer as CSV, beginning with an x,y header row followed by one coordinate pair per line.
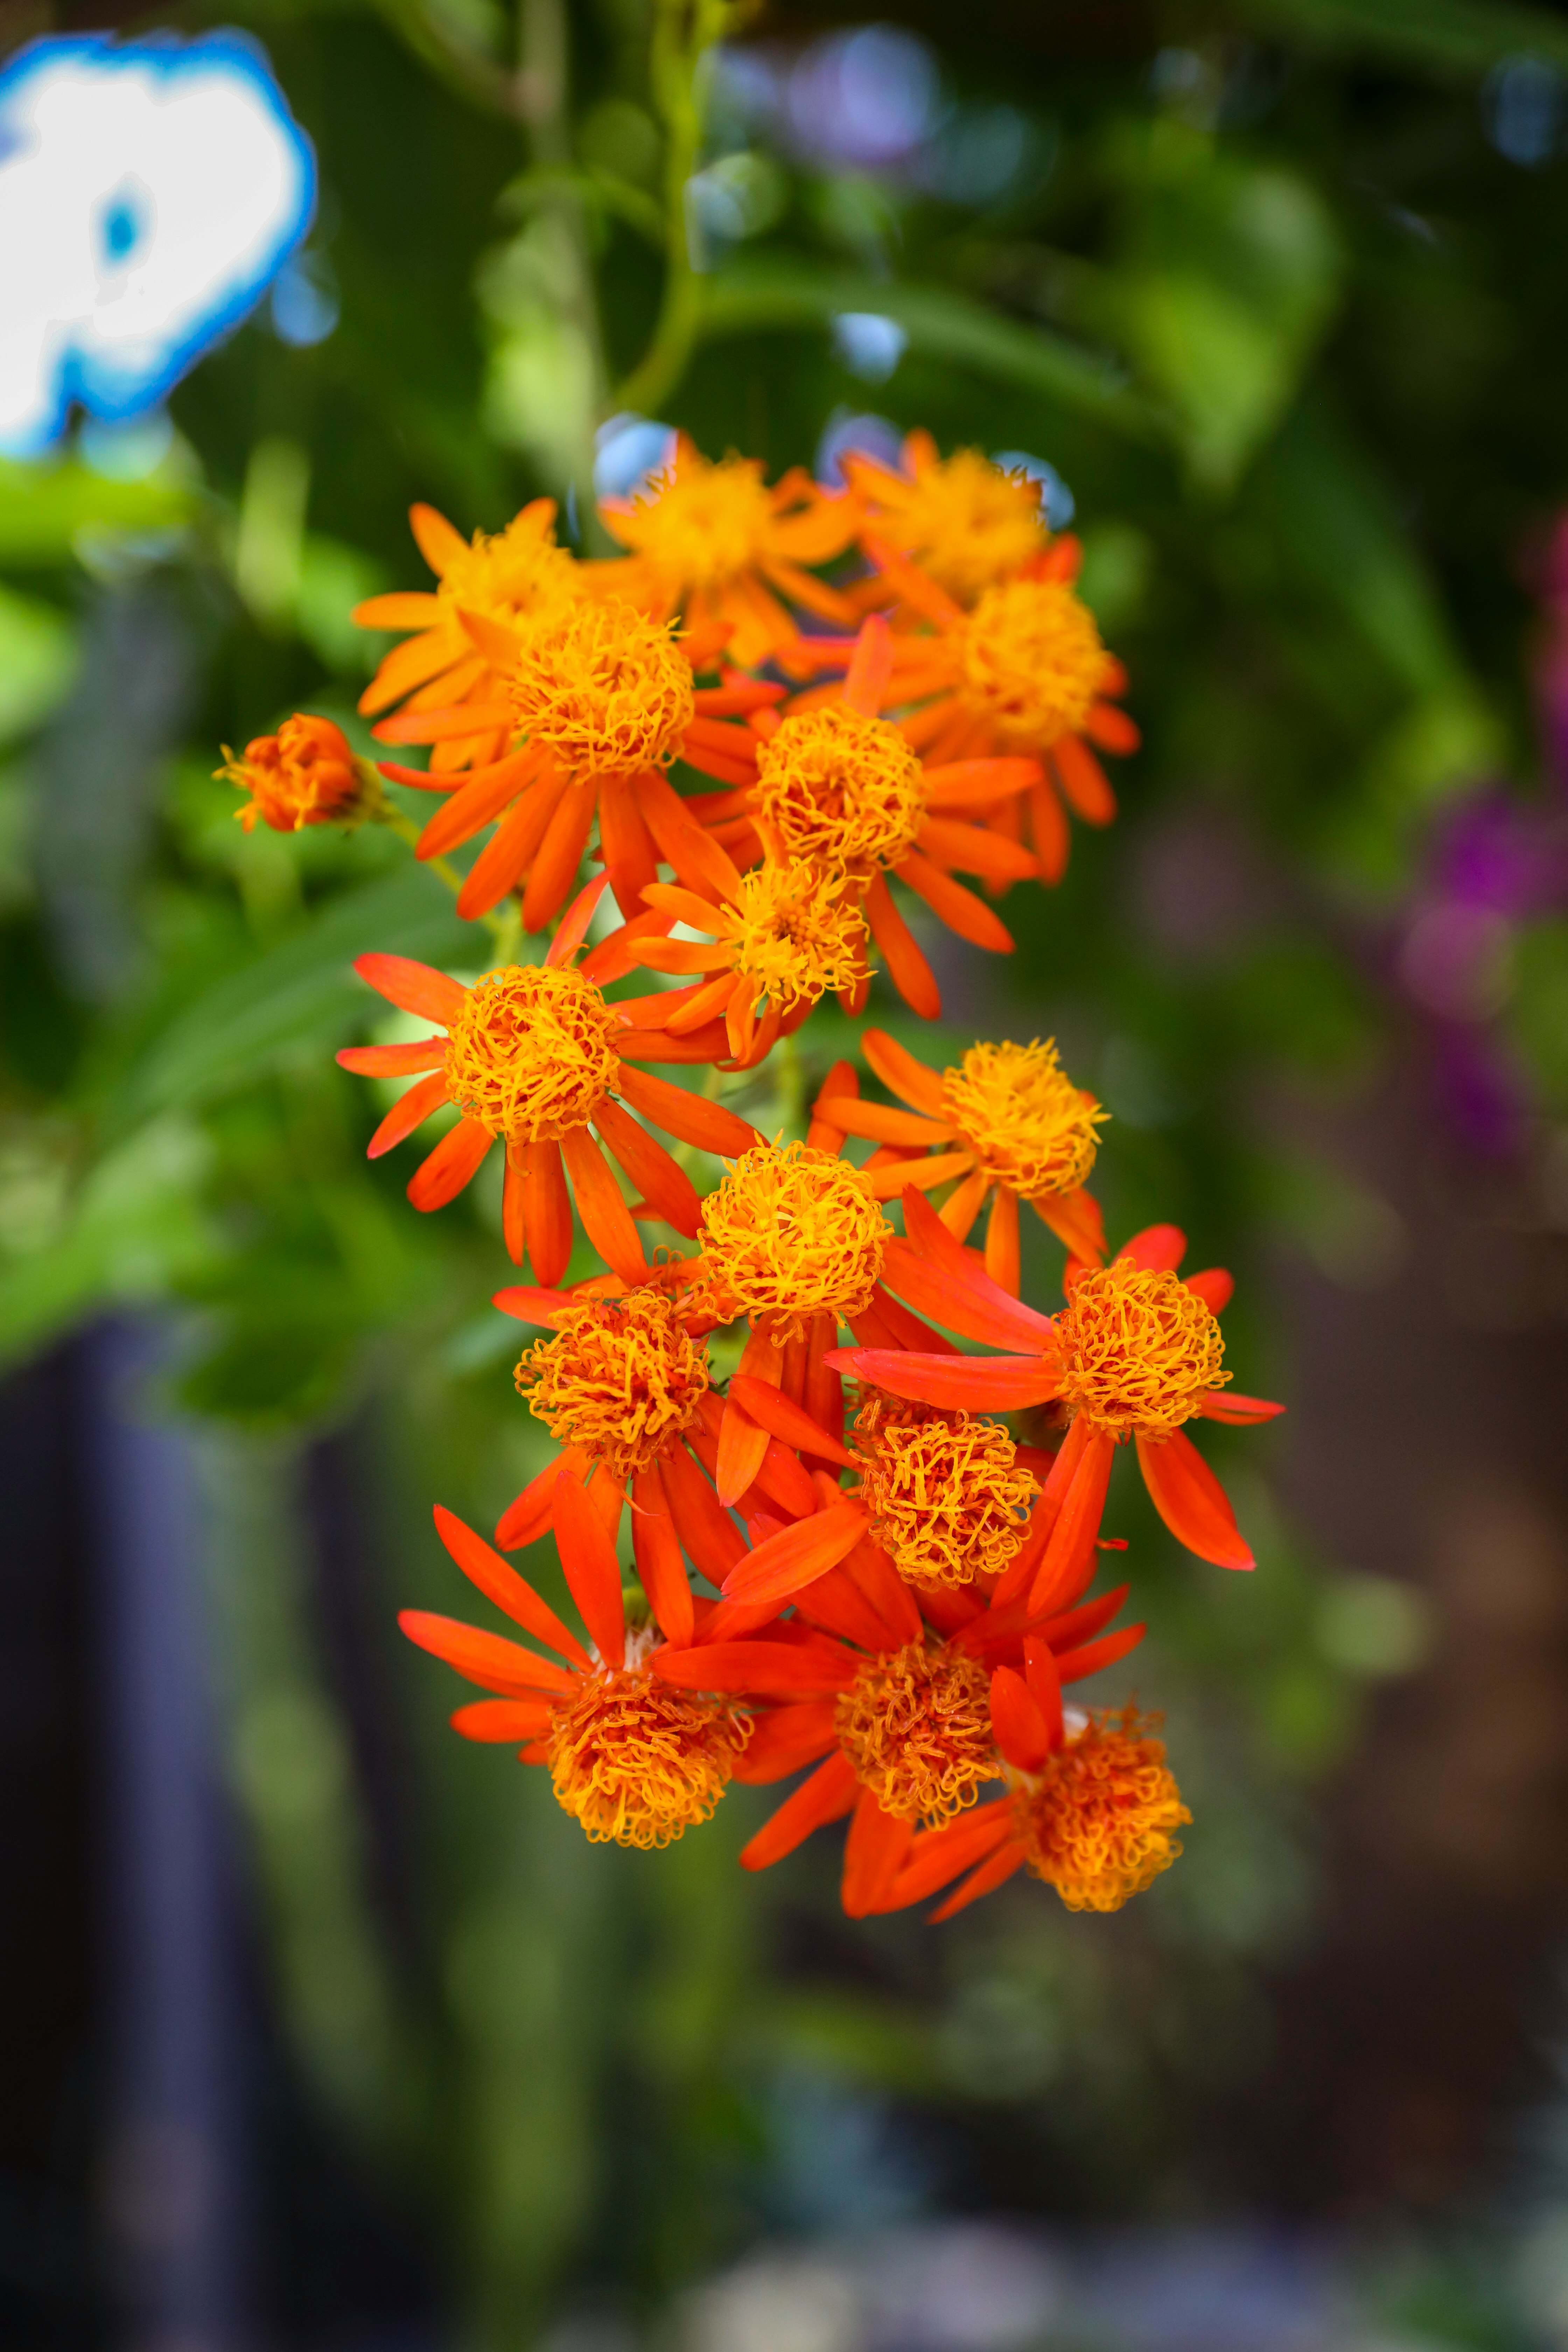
x,y
842,1562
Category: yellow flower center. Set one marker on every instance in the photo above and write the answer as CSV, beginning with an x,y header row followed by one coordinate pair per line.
x,y
916,1725
843,793
699,525
1139,1351
1031,661
619,1377
510,572
302,776
792,1233
797,935
531,1052
1097,1821
945,1496
639,1762
1028,1125
970,525
607,689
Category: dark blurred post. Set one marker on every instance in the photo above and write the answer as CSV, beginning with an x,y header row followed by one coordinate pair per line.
x,y
173,2184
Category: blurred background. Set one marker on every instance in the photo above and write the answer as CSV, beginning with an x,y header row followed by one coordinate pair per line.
x,y
324,2030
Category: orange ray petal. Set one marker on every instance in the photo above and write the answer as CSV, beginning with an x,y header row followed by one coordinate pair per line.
x,y
709,1536
1044,1686
1085,785
1021,1731
1002,1255
976,1383
573,927
1075,1219
1190,1500
1049,832
607,1220
482,795
441,726
938,1856
528,1515
809,1669
910,973
691,1118
513,846
876,1846
937,1277
655,1547
974,850
900,1073
879,1121
828,1796
1226,1404
440,1177
1111,729
514,1197
1074,1666
591,1570
871,668
408,1112
488,1659
743,1442
509,1719
785,1739
402,608
772,1410
393,1061
696,857
502,1583
529,1305
664,1186
1067,1563
415,987
984,1881
959,908
1158,1249
976,783
795,1555
1214,1285
554,870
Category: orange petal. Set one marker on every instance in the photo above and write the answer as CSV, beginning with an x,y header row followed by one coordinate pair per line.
x,y
511,848
591,1570
1229,1405
1190,1500
1214,1285
1067,1564
502,1583
665,1186
1002,1257
509,1719
828,1796
984,1881
941,1280
547,1211
709,1536
976,1383
772,1410
1021,1731
899,1072
573,927
393,1061
938,1856
486,1659
977,784
874,1850
910,973
1158,1249
655,1547
794,1555
1075,1219
975,849
607,1220
871,668
529,1305
959,908
482,795
409,1111
1072,1666
455,1161
415,987
553,870
812,1669
785,1739
528,1515
1085,785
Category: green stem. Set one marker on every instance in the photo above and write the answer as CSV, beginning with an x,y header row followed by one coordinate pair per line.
x,y
685,32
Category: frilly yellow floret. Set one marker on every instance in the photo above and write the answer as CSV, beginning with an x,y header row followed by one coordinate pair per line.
x,y
609,690
916,1725
1028,1125
1097,1821
700,525
1031,661
1139,1351
638,1762
945,1495
792,1233
619,1377
531,1052
796,934
842,791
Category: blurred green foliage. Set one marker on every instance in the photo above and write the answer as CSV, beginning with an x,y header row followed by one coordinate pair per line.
x,y
1263,290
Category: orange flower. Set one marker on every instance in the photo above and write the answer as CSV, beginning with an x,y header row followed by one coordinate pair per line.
x,y
1134,1353
839,789
305,774
902,1719
966,522
633,1758
713,542
502,575
597,701
1007,1119
533,1056
1024,674
1091,1811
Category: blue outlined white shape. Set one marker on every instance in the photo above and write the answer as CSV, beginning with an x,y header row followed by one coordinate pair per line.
x,y
150,192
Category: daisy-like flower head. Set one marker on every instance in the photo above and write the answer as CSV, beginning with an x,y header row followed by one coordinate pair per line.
x,y
967,522
782,936
1023,673
713,543
906,1708
533,1059
500,576
1141,1352
947,1494
792,1233
915,1728
602,689
1031,665
636,1759
842,791
619,1379
305,774
1006,1120
1133,1354
1099,1822
596,699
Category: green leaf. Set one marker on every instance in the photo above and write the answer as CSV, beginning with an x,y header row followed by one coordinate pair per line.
x,y
1464,36
304,992
941,325
37,660
43,506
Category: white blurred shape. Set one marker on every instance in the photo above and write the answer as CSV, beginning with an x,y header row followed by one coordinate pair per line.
x,y
304,306
149,191
627,449
1522,107
1057,501
869,345
867,436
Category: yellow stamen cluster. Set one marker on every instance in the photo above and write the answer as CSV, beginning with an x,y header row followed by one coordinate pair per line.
x,y
944,1495
1028,1125
1097,1822
1139,1351
607,689
843,793
967,523
506,572
699,525
531,1052
1032,662
797,935
305,774
916,1725
619,1377
638,1763
793,1231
